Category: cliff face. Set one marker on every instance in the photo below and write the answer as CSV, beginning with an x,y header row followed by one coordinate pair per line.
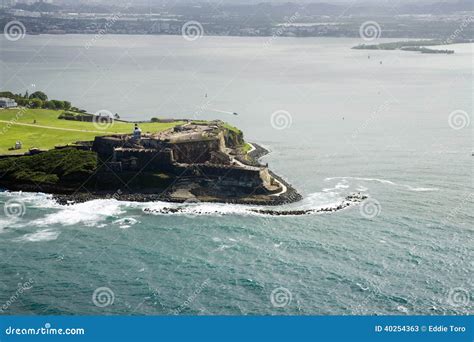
x,y
195,151
233,138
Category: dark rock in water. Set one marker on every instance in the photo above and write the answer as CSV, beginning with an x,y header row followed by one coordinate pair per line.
x,y
352,199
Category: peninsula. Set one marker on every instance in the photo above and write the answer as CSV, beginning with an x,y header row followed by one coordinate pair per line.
x,y
105,157
415,45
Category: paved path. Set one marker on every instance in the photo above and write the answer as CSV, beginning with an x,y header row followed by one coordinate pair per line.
x,y
253,148
51,127
283,188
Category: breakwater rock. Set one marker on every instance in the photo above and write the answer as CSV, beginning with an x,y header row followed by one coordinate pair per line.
x,y
195,209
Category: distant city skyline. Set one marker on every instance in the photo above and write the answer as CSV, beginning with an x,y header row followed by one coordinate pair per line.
x,y
227,2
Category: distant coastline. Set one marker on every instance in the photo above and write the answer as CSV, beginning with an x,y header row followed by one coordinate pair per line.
x,y
415,45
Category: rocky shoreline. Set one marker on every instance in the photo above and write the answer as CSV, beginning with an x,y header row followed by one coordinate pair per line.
x,y
350,200
175,189
198,190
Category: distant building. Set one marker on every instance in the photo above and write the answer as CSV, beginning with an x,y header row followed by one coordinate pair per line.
x,y
6,102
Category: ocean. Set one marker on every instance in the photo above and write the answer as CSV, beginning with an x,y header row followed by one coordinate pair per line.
x,y
393,125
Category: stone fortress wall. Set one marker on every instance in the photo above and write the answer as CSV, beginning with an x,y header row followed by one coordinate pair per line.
x,y
196,153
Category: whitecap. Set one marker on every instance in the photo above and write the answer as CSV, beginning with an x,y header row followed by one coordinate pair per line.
x,y
32,199
362,287
126,222
421,189
312,202
88,213
40,235
402,308
383,181
224,247
199,209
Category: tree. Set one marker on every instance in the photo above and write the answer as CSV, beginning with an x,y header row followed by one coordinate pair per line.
x,y
36,103
67,105
26,95
8,94
39,95
58,104
49,105
22,102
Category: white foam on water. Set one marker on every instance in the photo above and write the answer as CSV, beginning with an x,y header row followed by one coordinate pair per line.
x,y
317,200
95,213
126,222
7,222
383,181
421,189
40,235
341,185
223,247
402,308
88,213
314,201
31,199
200,209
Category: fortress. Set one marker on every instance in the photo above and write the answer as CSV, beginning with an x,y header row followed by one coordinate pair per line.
x,y
194,153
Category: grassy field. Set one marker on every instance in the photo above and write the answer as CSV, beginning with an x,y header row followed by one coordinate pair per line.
x,y
58,132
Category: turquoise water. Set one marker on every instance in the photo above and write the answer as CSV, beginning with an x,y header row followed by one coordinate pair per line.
x,y
356,125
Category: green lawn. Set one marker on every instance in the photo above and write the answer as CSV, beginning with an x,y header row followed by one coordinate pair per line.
x,y
46,138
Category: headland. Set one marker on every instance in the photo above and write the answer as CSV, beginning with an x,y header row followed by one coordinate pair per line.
x,y
183,160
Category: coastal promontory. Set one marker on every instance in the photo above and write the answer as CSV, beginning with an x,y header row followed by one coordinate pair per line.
x,y
80,156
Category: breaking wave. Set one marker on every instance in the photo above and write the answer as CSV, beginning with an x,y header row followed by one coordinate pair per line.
x,y
100,213
383,181
41,235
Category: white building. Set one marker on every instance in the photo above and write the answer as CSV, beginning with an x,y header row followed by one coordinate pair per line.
x,y
6,102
